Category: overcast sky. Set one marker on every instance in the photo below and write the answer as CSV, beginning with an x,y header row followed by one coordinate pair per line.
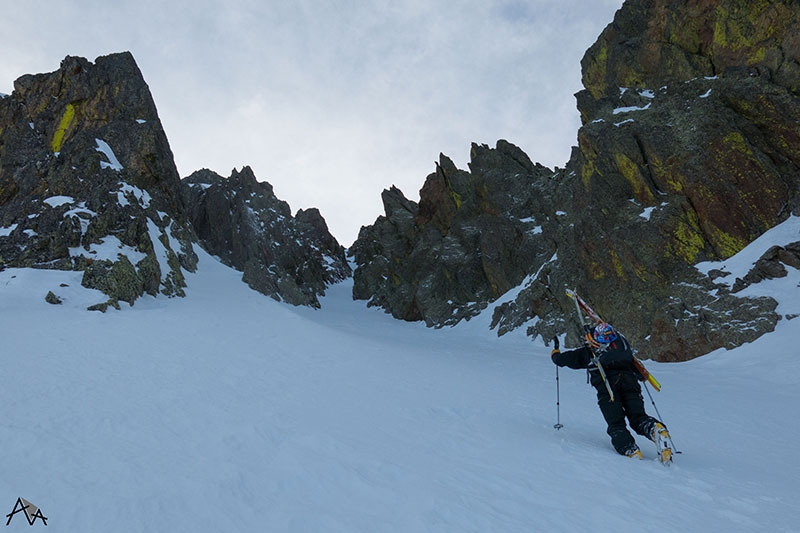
x,y
332,101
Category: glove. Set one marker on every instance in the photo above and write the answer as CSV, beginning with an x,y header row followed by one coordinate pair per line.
x,y
555,347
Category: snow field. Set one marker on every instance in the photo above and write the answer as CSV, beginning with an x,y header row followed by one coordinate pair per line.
x,y
227,411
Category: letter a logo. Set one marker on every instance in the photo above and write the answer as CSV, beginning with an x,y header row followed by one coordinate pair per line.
x,y
30,511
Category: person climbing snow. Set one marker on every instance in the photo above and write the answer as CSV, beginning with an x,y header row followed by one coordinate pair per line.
x,y
614,352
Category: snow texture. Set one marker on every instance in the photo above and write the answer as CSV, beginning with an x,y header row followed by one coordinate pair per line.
x,y
228,411
141,196
56,201
6,231
740,264
629,109
112,163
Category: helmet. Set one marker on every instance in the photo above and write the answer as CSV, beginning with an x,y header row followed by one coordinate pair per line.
x,y
604,333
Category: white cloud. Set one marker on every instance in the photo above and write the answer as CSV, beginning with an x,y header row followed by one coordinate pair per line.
x,y
332,102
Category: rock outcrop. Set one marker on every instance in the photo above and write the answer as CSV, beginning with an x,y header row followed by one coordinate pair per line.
x,y
88,182
471,238
241,221
689,150
690,126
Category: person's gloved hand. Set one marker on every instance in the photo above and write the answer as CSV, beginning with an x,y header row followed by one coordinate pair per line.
x,y
555,347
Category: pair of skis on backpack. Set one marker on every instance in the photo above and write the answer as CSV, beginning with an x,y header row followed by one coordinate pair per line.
x,y
583,307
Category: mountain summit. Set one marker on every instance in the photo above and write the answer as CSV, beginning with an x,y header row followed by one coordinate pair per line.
x,y
87,181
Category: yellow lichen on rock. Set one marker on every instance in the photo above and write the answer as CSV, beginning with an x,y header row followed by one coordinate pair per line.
x,y
630,171
687,240
616,262
66,123
725,244
595,72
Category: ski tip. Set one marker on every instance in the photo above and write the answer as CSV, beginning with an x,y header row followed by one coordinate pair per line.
x,y
654,382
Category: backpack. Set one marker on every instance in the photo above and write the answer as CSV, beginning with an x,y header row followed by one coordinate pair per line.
x,y
617,355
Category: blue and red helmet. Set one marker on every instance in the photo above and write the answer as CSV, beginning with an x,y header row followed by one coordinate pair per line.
x,y
604,333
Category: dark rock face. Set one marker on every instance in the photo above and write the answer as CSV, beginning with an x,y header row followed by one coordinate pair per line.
x,y
472,237
88,182
702,140
241,221
689,150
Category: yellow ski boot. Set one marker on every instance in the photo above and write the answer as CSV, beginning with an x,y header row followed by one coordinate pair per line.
x,y
635,454
660,436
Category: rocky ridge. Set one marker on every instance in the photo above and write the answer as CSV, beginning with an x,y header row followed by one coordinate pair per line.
x,y
88,182
689,150
471,238
240,220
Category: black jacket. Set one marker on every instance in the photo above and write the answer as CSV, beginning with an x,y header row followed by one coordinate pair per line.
x,y
616,358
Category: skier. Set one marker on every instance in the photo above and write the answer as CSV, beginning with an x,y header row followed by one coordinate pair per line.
x,y
616,357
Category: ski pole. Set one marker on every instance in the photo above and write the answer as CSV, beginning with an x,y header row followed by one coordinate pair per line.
x,y
659,416
558,425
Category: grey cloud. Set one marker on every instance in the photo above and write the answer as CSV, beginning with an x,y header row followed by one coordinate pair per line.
x,y
333,101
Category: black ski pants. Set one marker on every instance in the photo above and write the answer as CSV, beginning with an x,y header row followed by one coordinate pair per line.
x,y
628,402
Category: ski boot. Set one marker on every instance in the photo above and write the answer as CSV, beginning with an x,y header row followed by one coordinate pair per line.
x,y
634,453
660,436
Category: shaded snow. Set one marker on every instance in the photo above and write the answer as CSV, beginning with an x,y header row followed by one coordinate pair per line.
x,y
108,249
56,201
6,231
228,411
629,109
141,196
647,213
112,163
740,264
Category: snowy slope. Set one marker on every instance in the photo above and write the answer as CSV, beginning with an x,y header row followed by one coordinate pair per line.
x,y
227,411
